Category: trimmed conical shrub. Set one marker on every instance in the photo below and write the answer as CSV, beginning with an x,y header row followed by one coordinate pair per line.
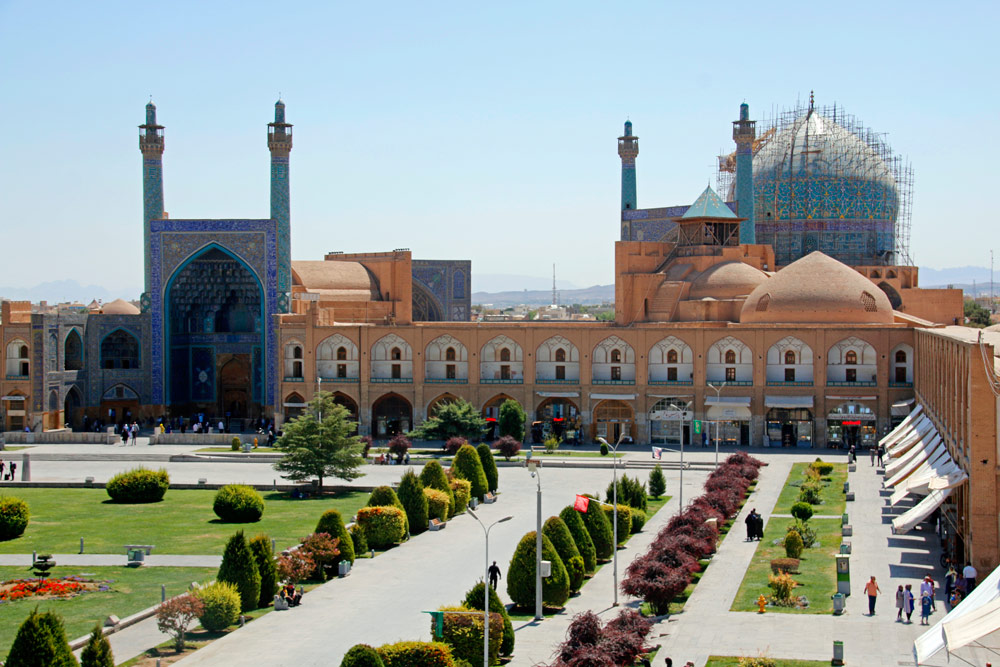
x,y
362,655
489,466
555,529
263,556
657,482
97,652
433,476
384,496
521,575
574,523
467,466
332,524
411,495
40,642
53,622
240,569
599,529
624,521
474,600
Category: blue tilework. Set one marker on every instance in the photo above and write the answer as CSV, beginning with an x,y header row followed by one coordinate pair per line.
x,y
281,214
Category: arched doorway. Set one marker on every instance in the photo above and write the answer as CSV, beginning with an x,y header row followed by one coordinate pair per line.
x,y
391,414
54,412
614,419
491,412
119,404
234,389
441,400
71,408
73,351
346,401
558,416
294,406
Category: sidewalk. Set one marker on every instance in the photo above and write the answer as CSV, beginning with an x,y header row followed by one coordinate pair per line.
x,y
116,560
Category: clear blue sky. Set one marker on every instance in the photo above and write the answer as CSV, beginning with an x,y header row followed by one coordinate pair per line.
x,y
462,130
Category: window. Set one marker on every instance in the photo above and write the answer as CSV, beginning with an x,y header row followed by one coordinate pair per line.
x,y
341,353
851,375
900,356
901,374
616,372
505,371
730,356
730,374
396,354
560,356
790,357
449,371
672,374
297,353
789,375
560,374
616,356
396,371
671,356
342,370
449,355
17,358
73,351
120,349
296,369
851,357
504,354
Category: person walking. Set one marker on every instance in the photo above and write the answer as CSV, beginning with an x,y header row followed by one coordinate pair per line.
x,y
494,573
871,454
927,586
13,469
970,575
872,590
751,523
900,598
908,602
852,454
925,608
949,583
881,454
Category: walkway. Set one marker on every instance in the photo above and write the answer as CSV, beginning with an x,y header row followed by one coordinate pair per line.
x,y
116,560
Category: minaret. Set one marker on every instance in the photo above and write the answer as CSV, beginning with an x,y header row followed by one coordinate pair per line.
x,y
744,132
151,146
628,149
279,142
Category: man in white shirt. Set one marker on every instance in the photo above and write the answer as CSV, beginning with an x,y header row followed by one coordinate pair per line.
x,y
970,575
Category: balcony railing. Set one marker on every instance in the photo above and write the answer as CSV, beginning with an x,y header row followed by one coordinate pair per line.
x,y
859,383
501,380
17,377
901,385
289,378
734,383
614,382
789,383
446,381
393,380
335,380
554,381
673,383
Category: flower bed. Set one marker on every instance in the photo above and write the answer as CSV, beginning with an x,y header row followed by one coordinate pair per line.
x,y
44,589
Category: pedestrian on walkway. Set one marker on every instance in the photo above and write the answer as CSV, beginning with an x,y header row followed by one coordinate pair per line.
x,y
970,575
908,602
13,469
871,454
927,586
949,582
925,608
751,523
872,590
852,454
881,453
900,598
494,573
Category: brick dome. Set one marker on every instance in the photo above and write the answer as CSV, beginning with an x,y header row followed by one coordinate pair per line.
x,y
119,307
727,280
817,289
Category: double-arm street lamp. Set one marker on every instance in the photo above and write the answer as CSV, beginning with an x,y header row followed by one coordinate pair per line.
x,y
718,400
614,511
535,468
486,585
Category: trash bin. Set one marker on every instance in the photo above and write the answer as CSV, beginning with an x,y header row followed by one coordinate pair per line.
x,y
838,653
343,568
838,603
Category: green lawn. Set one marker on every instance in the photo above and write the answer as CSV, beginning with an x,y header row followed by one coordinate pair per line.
x,y
725,661
653,505
230,450
832,495
817,576
133,590
182,523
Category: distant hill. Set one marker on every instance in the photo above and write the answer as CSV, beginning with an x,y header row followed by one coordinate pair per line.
x,y
588,296
960,275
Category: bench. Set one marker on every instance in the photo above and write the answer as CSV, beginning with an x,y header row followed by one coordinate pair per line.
x,y
436,524
136,553
489,498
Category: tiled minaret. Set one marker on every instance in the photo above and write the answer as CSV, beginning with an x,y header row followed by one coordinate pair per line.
x,y
151,146
744,133
628,149
279,142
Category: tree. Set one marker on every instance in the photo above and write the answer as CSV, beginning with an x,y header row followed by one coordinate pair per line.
x,y
97,652
574,522
511,420
319,448
263,556
323,550
521,574
976,314
40,642
411,495
398,447
332,524
467,465
434,477
240,569
456,418
507,446
657,482
174,616
599,529
555,529
489,466
54,624
294,566
474,600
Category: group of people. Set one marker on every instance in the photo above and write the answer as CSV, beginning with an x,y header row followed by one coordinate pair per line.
x,y
291,596
955,588
386,459
7,473
905,601
130,434
755,526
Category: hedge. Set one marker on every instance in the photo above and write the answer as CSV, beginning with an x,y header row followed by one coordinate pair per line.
x,y
221,606
383,526
238,503
555,529
464,634
521,575
462,490
140,485
624,521
384,496
474,600
489,466
467,465
361,655
438,504
416,654
585,545
14,516
414,502
599,529
332,524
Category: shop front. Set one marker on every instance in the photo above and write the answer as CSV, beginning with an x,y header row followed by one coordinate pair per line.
x,y
728,420
852,423
491,413
789,421
614,418
14,414
558,415
670,420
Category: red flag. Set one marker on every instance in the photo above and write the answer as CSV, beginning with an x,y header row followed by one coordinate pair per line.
x,y
581,504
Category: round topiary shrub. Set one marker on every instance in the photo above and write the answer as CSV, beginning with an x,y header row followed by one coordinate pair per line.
x,y
585,545
624,521
793,544
599,529
416,654
332,524
521,575
822,467
555,529
361,655
383,526
468,466
802,511
464,634
507,446
238,503
14,516
462,490
140,485
384,496
235,444
452,445
604,449
221,603
438,504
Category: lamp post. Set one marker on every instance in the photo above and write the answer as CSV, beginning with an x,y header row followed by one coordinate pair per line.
x,y
319,393
718,391
534,466
614,510
486,586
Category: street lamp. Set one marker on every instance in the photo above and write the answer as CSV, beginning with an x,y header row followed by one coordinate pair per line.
x,y
718,391
486,586
534,466
614,510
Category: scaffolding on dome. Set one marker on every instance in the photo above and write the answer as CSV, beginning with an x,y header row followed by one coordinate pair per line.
x,y
871,156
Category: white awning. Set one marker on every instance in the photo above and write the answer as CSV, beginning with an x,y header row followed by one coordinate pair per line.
x,y
852,398
305,405
727,413
943,475
558,394
974,617
928,450
902,408
904,427
728,400
920,429
614,397
21,398
788,401
910,518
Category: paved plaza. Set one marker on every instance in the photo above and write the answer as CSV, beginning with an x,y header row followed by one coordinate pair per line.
x,y
382,600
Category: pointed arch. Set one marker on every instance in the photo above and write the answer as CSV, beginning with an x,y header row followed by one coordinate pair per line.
x,y
501,360
852,360
392,359
337,358
671,361
120,349
613,362
789,360
729,359
557,359
73,351
18,362
901,363
446,359
391,414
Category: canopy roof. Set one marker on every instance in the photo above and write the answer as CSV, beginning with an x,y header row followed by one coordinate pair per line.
x,y
973,618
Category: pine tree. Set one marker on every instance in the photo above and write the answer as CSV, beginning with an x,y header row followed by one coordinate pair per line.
x,y
240,569
657,482
574,522
468,466
511,420
489,466
33,645
97,652
411,495
263,556
332,524
63,654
